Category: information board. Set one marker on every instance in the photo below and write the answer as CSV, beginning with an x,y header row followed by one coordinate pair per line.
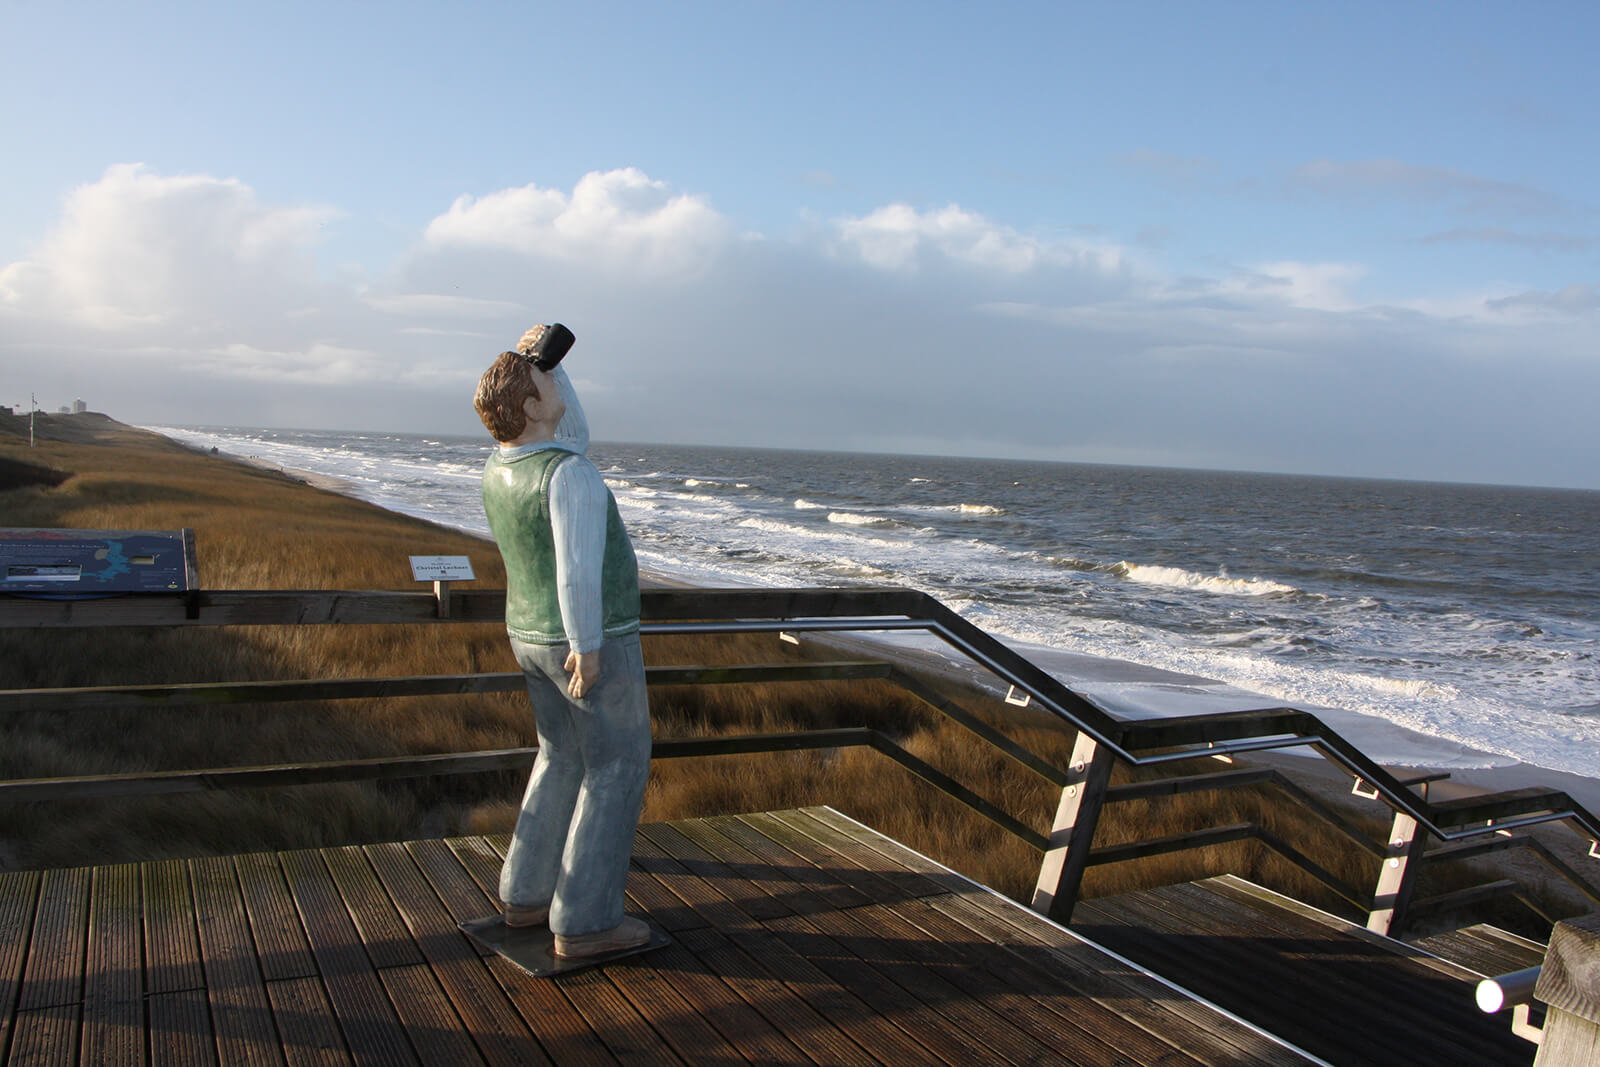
x,y
96,562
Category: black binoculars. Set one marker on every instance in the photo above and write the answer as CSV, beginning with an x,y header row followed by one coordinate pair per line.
x,y
552,346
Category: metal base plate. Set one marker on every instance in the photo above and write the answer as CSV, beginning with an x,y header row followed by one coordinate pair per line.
x,y
533,947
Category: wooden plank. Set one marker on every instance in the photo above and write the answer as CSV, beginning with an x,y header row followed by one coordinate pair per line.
x,y
1105,981
1044,1005
19,894
706,901
790,1009
1232,886
844,840
827,889
371,1029
900,953
482,1005
1265,966
172,946
883,1016
774,879
46,1036
281,944
547,1013
113,988
384,936
437,1032
179,1027
821,993
671,1015
760,898
54,973
481,860
709,1000
1487,950
744,894
305,1023
613,1018
241,1016
899,856
870,884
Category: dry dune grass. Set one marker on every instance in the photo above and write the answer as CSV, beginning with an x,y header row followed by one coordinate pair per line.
x,y
259,529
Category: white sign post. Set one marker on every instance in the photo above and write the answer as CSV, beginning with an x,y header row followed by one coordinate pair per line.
x,y
441,571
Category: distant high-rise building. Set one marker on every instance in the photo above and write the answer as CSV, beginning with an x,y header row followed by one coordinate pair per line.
x,y
79,407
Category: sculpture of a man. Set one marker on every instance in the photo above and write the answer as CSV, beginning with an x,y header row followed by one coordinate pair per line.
x,y
572,615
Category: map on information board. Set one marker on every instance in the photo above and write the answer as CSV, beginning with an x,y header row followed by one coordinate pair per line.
x,y
95,562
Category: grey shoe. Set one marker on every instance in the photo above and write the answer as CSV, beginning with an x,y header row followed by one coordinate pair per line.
x,y
630,933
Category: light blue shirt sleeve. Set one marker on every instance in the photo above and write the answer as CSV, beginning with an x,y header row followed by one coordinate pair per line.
x,y
578,522
572,432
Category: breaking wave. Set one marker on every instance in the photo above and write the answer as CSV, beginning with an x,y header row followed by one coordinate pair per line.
x,y
1178,578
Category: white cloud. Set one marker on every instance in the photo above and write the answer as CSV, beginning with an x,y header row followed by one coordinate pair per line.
x,y
317,364
899,238
894,328
1315,286
619,218
139,250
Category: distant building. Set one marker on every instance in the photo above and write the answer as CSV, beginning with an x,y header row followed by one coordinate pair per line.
x,y
63,410
79,407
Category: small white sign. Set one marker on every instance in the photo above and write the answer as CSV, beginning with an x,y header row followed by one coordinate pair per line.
x,y
441,568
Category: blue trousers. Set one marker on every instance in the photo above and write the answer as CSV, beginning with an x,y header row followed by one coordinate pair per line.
x,y
574,835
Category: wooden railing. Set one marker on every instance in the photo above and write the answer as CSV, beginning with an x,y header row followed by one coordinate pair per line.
x,y
1469,827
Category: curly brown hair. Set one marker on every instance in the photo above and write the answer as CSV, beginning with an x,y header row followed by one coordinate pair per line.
x,y
501,392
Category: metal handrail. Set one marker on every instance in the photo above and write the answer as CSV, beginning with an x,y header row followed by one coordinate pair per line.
x,y
843,611
924,612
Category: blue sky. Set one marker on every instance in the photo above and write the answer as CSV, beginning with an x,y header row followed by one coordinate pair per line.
x,y
1332,238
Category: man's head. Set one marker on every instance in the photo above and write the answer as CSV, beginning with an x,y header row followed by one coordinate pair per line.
x,y
503,392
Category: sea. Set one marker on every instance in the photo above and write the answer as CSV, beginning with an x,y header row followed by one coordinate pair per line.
x,y
1434,624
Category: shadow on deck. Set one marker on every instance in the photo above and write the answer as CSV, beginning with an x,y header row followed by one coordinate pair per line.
x,y
799,937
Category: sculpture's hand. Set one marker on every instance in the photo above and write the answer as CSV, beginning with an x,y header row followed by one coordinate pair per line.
x,y
585,671
531,338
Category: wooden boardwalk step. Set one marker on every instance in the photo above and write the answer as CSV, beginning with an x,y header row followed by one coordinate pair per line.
x,y
800,937
1335,989
1488,950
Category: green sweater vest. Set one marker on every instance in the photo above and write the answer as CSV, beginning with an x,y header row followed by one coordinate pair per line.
x,y
516,498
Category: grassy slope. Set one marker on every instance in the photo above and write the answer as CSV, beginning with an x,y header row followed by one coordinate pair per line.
x,y
258,529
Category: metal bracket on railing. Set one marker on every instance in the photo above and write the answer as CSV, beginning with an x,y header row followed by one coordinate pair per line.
x,y
1490,822
1524,1029
1594,850
1012,698
789,637
1362,793
1222,757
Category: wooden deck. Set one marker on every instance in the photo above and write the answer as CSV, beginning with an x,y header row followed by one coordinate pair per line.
x,y
799,937
1336,989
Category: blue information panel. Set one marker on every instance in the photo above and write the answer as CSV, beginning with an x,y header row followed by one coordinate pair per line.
x,y
96,562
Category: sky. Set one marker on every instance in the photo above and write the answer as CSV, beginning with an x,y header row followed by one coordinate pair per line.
x,y
1330,238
